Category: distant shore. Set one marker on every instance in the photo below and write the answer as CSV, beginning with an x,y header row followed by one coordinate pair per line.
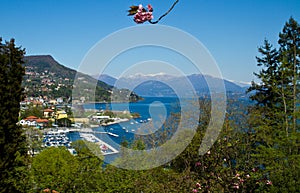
x,y
107,102
115,122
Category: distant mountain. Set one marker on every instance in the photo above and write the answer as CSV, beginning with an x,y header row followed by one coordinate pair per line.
x,y
157,85
241,83
41,63
45,76
106,78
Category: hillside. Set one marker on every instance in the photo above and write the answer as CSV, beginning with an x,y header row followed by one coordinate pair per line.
x,y
44,76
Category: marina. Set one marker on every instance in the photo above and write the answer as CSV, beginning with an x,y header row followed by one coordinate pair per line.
x,y
59,138
106,149
56,138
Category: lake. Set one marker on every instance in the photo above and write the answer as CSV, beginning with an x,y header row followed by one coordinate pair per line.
x,y
154,109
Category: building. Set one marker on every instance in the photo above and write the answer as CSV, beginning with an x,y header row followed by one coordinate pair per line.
x,y
61,114
48,113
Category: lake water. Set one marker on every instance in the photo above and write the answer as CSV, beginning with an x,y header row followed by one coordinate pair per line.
x,y
154,109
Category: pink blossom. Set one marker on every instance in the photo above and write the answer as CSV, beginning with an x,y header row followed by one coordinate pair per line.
x,y
140,8
142,16
247,176
254,169
150,8
236,187
194,190
198,185
198,164
269,182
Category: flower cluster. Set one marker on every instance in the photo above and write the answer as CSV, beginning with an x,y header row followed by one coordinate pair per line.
x,y
198,187
142,15
238,181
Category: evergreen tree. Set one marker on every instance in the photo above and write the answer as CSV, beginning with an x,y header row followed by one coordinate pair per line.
x,y
274,117
12,139
290,57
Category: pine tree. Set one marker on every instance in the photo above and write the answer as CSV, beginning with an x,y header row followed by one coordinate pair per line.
x,y
290,57
275,116
12,139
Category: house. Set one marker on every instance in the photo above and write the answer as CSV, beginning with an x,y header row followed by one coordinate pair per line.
x,y
31,118
37,103
42,123
52,102
29,121
60,100
61,114
48,113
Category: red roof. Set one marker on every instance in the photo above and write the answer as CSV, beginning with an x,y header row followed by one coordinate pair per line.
x,y
42,121
48,110
31,117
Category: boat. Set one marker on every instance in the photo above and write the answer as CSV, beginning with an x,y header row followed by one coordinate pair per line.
x,y
112,134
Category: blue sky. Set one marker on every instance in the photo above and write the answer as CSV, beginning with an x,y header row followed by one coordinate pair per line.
x,y
231,30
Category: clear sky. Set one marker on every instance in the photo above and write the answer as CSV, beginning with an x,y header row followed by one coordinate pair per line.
x,y
231,30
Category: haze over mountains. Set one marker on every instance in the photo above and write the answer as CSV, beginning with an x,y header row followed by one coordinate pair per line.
x,y
159,84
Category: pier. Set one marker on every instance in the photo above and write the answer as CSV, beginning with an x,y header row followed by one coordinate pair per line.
x,y
88,130
105,147
88,135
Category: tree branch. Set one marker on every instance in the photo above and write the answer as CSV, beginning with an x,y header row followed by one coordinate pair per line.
x,y
155,22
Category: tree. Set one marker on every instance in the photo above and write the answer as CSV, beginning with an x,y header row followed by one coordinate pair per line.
x,y
34,140
290,57
13,148
56,169
32,111
275,117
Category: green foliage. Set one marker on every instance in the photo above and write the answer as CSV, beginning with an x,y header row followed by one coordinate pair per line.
x,y
57,169
34,140
275,118
64,122
13,148
36,111
54,168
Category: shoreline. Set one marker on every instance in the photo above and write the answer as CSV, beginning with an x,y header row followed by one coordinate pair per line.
x,y
115,122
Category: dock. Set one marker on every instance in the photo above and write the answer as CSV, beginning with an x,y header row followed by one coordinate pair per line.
x,y
92,138
88,130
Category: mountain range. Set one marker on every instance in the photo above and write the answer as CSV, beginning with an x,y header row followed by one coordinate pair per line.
x,y
45,76
159,84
